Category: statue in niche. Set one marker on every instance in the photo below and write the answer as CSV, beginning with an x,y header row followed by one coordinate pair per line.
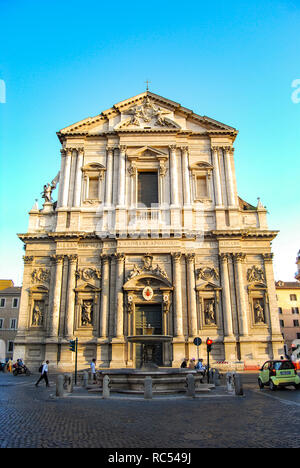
x,y
87,313
209,313
259,315
37,315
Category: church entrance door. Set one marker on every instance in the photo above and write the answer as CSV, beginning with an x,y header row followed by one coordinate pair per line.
x,y
148,315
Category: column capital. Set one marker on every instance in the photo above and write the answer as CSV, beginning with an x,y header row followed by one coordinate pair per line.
x,y
122,148
216,148
58,259
80,150
120,257
69,151
224,257
184,149
268,257
172,148
72,258
110,148
104,258
190,257
176,256
28,259
239,257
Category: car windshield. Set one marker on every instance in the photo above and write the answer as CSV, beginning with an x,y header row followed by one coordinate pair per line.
x,y
280,365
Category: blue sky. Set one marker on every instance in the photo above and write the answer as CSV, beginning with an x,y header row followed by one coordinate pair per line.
x,y
234,61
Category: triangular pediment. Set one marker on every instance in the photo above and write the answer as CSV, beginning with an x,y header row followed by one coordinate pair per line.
x,y
147,112
147,152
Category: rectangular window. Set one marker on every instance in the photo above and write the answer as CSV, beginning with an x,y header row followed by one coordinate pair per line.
x,y
15,302
147,188
298,336
280,310
295,310
293,297
1,323
201,187
13,324
93,189
281,323
10,347
2,302
296,323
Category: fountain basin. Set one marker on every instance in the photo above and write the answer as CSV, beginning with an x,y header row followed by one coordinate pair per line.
x,y
164,380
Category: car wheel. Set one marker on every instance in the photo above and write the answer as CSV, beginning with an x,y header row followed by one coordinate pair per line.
x,y
272,386
260,384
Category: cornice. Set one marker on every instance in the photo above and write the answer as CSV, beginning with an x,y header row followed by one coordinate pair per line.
x,y
244,233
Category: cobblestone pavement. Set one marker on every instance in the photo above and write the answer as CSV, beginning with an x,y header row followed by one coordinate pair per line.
x,y
32,417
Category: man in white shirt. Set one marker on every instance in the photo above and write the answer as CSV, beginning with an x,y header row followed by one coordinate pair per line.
x,y
93,369
44,375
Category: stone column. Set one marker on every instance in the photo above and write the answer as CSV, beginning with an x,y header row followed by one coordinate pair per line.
x,y
104,297
122,176
229,176
174,176
217,178
191,294
54,319
109,176
133,184
78,177
224,257
67,174
271,295
119,295
61,178
186,176
178,325
70,310
241,300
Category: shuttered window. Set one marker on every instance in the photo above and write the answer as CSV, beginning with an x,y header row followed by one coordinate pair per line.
x,y
201,187
147,188
93,189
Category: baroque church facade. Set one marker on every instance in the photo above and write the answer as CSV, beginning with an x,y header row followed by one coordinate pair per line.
x,y
148,232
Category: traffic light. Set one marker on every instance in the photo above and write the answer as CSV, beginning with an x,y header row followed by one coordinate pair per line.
x,y
209,343
72,346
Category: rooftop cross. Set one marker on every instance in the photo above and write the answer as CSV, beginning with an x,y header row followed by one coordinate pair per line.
x,y
147,82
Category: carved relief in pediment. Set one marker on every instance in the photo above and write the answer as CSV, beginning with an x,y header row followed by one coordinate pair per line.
x,y
147,114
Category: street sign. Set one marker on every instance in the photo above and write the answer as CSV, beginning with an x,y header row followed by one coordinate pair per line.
x,y
197,341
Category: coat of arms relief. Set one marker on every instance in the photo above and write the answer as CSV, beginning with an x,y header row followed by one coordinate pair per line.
x,y
148,114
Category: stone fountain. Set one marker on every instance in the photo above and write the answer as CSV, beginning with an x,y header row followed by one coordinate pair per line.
x,y
164,380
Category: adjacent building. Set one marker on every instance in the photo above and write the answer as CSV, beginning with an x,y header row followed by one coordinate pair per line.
x,y
9,315
288,300
148,231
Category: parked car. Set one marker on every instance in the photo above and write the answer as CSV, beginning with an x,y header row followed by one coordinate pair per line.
x,y
281,373
2,366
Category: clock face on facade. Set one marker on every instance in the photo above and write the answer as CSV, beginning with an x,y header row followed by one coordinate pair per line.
x,y
148,293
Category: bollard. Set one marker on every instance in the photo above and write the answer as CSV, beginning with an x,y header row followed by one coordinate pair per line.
x,y
216,378
148,388
229,382
190,391
60,386
238,386
105,387
68,383
85,379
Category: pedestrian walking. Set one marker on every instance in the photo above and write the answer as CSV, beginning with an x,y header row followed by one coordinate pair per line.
x,y
192,364
93,370
44,375
184,363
